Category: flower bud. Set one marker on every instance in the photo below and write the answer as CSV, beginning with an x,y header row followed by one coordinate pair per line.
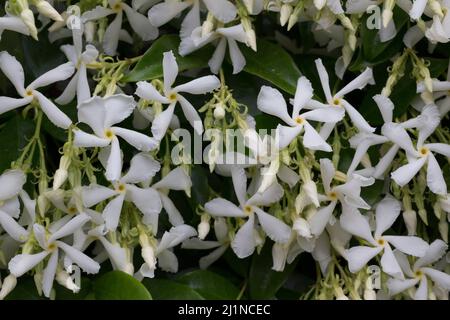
x,y
251,39
301,226
310,189
203,227
386,16
62,173
8,285
339,293
219,112
410,218
89,31
64,279
279,255
47,10
28,19
285,13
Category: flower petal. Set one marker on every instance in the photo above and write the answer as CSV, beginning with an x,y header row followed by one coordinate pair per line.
x,y
49,274
223,10
244,242
56,116
405,173
219,207
111,35
387,211
111,213
12,182
12,228
140,24
358,257
191,115
353,222
170,70
86,263
162,13
162,122
199,86
138,140
13,70
83,139
271,101
59,73
23,263
435,251
147,91
390,265
177,179
275,229
411,245
175,217
435,178
142,168
114,162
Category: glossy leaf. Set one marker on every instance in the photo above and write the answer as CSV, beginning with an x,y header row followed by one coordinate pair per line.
x,y
162,289
117,285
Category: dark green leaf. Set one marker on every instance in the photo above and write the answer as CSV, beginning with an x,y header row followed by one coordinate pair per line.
x,y
272,63
117,285
210,285
150,65
162,289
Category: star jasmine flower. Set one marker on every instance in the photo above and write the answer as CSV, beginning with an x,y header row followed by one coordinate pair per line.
x,y
220,245
421,154
387,211
101,114
51,245
421,271
78,85
172,96
138,22
244,242
163,255
224,36
272,102
338,101
142,168
13,70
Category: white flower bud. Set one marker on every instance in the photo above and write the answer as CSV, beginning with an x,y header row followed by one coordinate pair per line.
x,y
219,112
89,31
8,285
285,13
47,10
310,189
443,230
279,255
410,218
203,227
251,38
319,4
129,268
64,279
148,254
43,204
28,18
339,293
301,226
62,173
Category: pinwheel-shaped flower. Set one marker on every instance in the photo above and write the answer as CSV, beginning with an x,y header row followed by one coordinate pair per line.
x,y
337,100
421,154
101,114
51,243
387,212
272,102
138,22
421,272
244,242
172,96
14,72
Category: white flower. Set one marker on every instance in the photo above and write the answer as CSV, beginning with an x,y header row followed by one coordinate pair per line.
x,y
163,254
142,168
51,244
421,272
172,95
387,212
14,72
244,242
14,24
220,245
421,154
272,102
78,85
337,100
138,22
101,114
225,36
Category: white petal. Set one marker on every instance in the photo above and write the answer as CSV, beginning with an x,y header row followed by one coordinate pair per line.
x,y
7,104
142,168
288,175
219,207
217,58
199,86
95,14
69,92
83,139
117,254
83,90
405,173
223,10
303,94
191,115
358,257
417,9
87,264
312,140
275,229
320,219
244,241
177,179
175,236
170,70
59,73
111,36
237,58
147,200
390,264
175,217
435,178
411,245
326,114
359,82
12,228
386,107
353,222
327,173
422,290
95,193
440,278
287,134
324,79
70,227
387,211
272,102
162,13
271,195
23,263
111,213
114,163
239,179
357,119
49,274
13,70
140,24
441,148
209,259
435,251
162,122
396,286
56,116
147,91
190,21
12,182
117,108
136,139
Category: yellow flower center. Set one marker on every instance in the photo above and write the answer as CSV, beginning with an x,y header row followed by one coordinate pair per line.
x,y
418,274
299,120
52,246
72,210
172,97
332,196
117,7
121,187
381,242
423,151
29,92
109,134
337,102
248,209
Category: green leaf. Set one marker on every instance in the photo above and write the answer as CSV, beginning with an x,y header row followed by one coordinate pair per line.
x,y
15,135
62,293
263,281
117,285
149,66
210,285
162,289
272,63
